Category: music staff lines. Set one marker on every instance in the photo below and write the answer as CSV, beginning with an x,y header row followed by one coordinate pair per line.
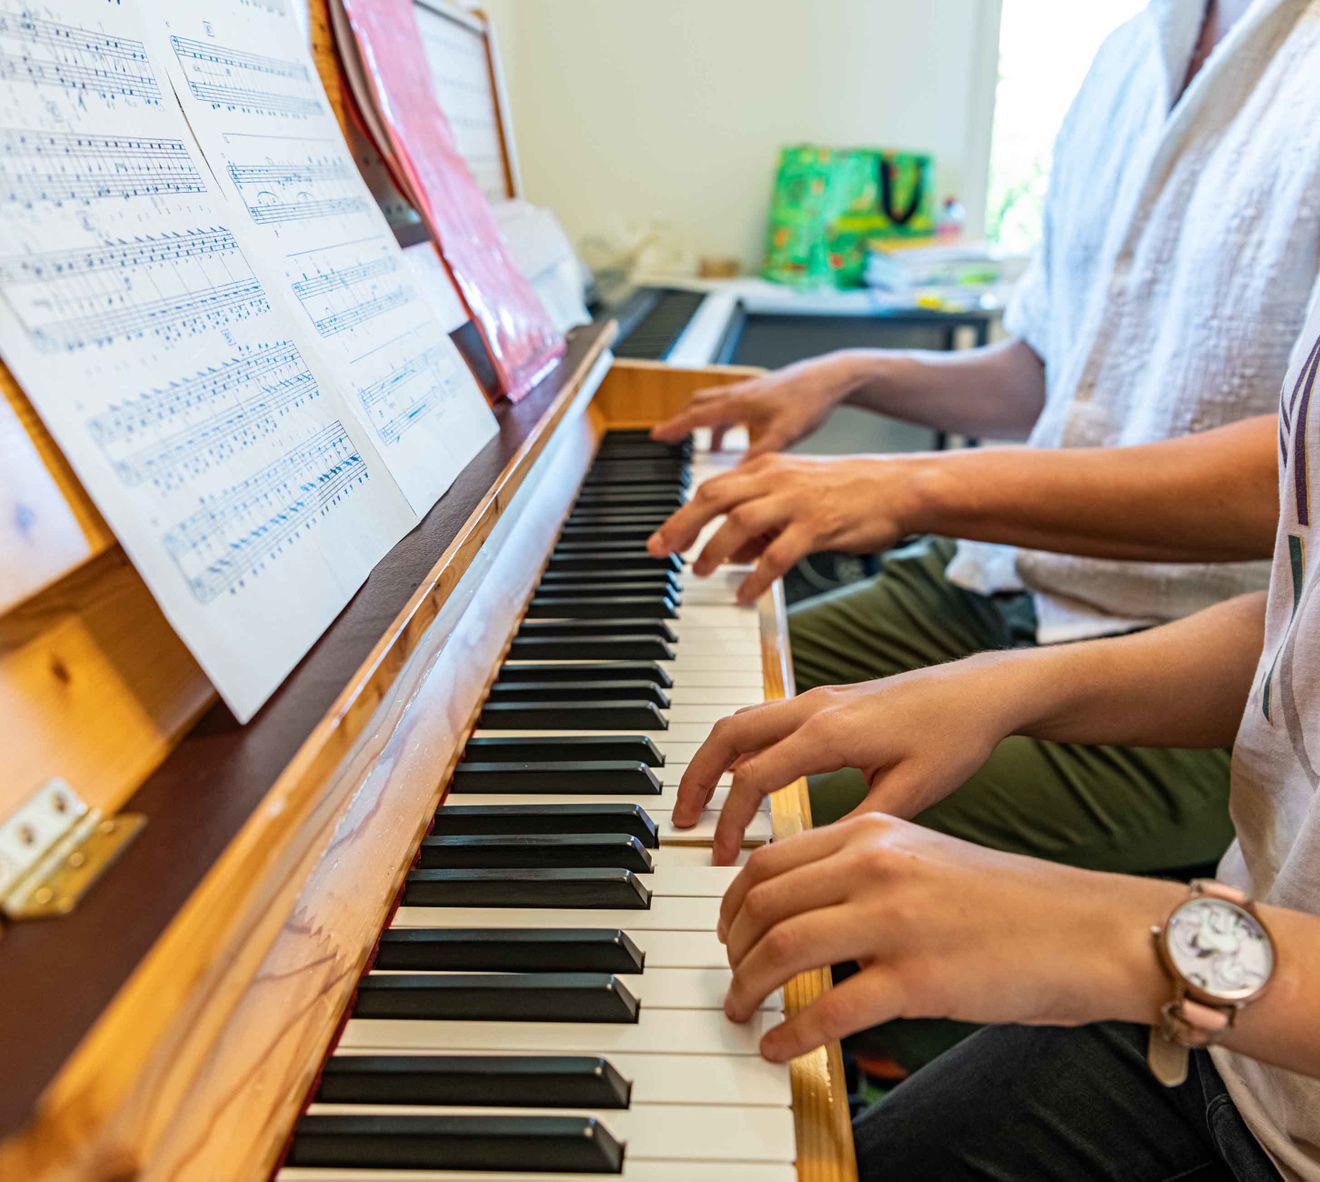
x,y
387,389
55,167
56,265
237,80
233,534
171,316
327,282
69,57
155,439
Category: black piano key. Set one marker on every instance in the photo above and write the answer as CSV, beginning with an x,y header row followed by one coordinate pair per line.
x,y
650,571
668,500
496,997
557,748
604,777
510,1144
577,691
512,950
587,888
632,819
599,715
568,607
594,671
530,850
603,627
627,646
659,474
648,517
605,589
612,562
474,1081
603,547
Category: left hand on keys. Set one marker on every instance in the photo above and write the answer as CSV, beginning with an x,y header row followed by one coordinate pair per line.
x,y
939,928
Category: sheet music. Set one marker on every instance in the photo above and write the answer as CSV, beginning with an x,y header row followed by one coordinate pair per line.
x,y
244,75
460,74
225,458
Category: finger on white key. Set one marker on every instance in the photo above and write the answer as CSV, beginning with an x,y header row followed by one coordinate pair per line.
x,y
656,1032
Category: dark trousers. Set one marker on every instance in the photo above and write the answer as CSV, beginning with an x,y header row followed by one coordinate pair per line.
x,y
1049,1104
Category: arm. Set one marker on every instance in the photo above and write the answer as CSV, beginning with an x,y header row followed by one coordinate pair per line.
x,y
1209,497
918,736
943,928
996,390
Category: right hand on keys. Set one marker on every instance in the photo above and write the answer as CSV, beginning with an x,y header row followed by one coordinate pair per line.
x,y
916,738
778,407
779,509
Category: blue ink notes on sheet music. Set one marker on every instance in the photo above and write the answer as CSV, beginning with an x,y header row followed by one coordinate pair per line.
x,y
250,91
187,392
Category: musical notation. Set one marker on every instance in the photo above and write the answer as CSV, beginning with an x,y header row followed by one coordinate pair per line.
x,y
236,80
460,72
184,387
56,167
234,535
171,286
43,52
297,190
174,433
363,297
323,242
396,403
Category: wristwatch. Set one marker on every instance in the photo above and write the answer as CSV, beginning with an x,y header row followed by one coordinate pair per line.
x,y
1221,957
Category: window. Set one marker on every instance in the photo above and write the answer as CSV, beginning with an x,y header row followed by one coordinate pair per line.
x,y
1045,50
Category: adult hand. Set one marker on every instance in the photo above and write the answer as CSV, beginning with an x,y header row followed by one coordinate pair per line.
x,y
779,407
778,509
939,928
916,737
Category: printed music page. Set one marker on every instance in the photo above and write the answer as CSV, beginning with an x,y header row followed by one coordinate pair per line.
x,y
244,74
227,462
522,341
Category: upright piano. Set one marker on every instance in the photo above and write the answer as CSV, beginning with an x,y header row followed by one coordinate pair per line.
x,y
425,916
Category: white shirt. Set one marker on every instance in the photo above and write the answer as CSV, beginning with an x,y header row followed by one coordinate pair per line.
x,y
1276,761
1180,253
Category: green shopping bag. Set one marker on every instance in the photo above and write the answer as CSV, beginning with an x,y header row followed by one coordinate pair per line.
x,y
829,203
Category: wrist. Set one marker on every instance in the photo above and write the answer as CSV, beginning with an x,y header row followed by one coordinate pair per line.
x,y
1128,983
864,377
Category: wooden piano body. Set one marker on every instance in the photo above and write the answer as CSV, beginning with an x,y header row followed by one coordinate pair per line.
x,y
172,1024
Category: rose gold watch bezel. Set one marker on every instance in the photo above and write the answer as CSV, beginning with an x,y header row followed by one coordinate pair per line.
x,y
1189,988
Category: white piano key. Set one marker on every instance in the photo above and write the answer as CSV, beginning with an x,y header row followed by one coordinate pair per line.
x,y
730,697
686,1079
689,989
666,914
664,1133
744,677
633,1171
656,1032
759,830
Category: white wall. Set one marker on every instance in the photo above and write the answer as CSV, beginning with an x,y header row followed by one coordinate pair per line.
x,y
632,110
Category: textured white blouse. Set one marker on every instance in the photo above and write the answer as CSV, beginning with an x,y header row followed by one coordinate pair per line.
x,y
1178,263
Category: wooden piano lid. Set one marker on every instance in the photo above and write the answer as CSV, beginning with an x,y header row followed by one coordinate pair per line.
x,y
58,976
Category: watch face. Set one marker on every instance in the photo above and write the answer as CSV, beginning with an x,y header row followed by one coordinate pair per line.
x,y
1220,948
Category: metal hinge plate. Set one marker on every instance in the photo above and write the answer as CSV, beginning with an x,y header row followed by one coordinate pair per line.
x,y
54,847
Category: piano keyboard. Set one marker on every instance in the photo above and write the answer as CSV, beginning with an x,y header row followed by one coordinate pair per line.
x,y
547,1000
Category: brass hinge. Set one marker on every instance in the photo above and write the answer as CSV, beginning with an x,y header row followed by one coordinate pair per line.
x,y
54,847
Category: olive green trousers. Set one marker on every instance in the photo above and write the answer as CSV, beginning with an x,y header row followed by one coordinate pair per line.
x,y
1134,810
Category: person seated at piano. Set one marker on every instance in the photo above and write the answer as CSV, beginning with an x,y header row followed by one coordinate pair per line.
x,y
1181,246
1074,966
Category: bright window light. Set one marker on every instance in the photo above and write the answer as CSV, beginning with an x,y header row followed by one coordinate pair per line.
x,y
1045,50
